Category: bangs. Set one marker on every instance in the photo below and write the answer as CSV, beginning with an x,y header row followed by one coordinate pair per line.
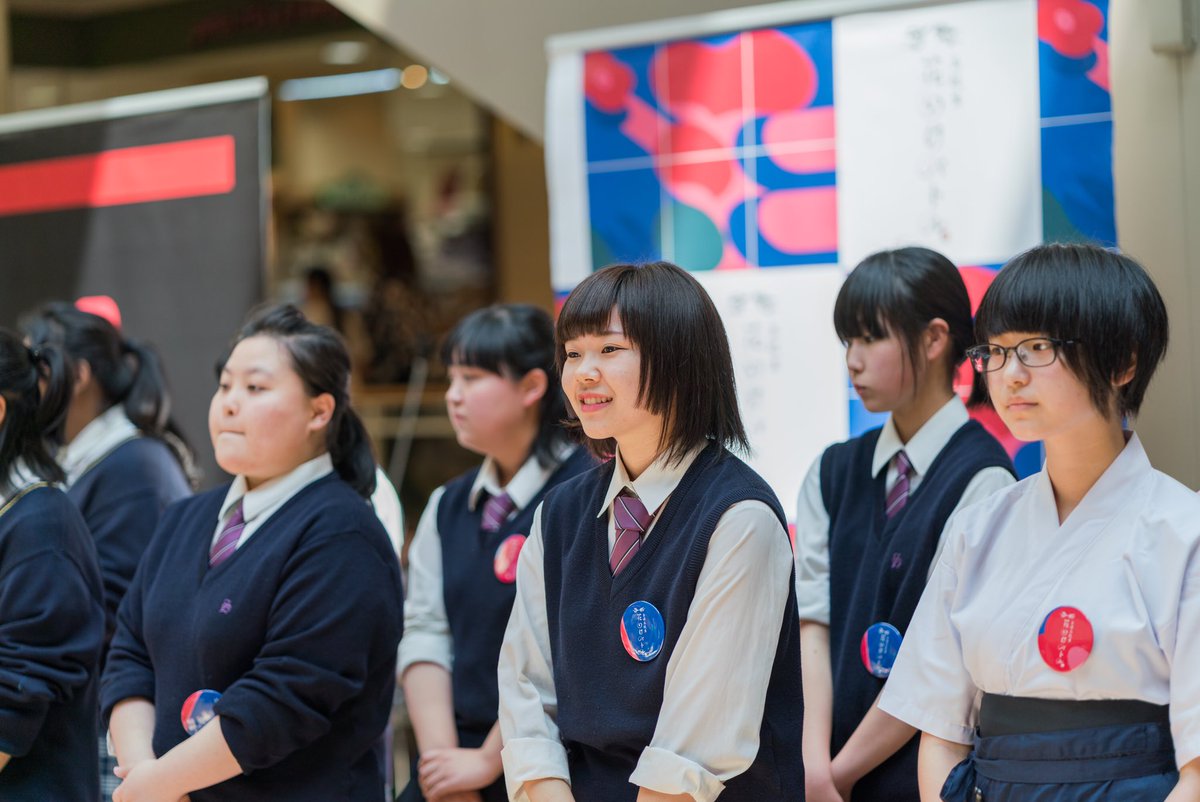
x,y
1036,296
508,340
871,300
589,307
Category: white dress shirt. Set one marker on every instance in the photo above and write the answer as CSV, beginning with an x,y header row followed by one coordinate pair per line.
x,y
1128,557
708,726
260,504
426,626
96,441
387,508
812,520
19,478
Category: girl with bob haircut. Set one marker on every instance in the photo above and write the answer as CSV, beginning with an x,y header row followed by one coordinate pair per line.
x,y
51,599
872,511
279,594
504,405
125,460
652,652
1049,656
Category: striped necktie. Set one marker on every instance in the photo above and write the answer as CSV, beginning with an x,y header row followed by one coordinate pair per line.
x,y
897,497
631,520
226,544
496,511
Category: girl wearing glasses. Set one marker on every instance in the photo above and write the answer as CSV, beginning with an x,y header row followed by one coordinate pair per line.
x,y
872,511
462,564
1052,637
652,653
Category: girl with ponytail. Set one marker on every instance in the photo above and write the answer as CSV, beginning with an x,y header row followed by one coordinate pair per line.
x,y
51,600
124,459
278,595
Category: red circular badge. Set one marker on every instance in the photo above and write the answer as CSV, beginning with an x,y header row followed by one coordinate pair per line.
x,y
1065,639
505,562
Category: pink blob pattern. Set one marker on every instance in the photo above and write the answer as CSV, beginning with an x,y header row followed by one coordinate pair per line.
x,y
800,220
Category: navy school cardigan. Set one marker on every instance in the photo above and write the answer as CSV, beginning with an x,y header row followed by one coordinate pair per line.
x,y
51,634
298,630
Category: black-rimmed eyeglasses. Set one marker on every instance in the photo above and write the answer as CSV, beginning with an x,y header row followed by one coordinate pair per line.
x,y
1036,352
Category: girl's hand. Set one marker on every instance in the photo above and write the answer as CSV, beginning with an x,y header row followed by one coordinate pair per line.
x,y
445,771
819,788
143,783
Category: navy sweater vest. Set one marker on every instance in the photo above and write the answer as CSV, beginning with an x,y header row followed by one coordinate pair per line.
x,y
51,633
298,630
477,603
608,704
121,498
879,568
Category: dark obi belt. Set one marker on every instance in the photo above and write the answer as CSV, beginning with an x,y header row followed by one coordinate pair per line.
x,y
1049,750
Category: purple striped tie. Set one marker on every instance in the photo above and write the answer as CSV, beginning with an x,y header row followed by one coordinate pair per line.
x,y
495,511
226,544
897,497
631,520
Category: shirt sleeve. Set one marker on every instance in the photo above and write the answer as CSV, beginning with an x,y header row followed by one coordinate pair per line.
x,y
51,631
1185,668
533,749
929,687
335,619
982,485
426,625
387,508
812,549
708,729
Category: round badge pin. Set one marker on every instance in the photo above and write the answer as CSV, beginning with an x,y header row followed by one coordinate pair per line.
x,y
1065,639
642,631
879,647
198,710
505,562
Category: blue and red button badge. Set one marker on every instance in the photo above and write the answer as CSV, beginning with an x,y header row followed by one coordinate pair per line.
x,y
505,562
1065,639
642,631
198,710
880,645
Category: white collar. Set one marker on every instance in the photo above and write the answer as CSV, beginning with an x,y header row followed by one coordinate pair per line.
x,y
654,484
19,478
1114,492
274,492
103,433
525,484
924,446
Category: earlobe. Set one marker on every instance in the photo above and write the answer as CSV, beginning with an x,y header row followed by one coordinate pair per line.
x,y
83,376
3,410
937,339
323,407
1127,375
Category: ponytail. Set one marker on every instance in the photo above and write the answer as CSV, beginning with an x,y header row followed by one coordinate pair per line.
x,y
319,357
33,417
128,373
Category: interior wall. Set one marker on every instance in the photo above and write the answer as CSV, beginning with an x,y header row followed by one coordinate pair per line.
x,y
1156,108
522,236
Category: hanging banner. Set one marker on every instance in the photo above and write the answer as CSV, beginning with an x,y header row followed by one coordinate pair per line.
x,y
157,200
769,149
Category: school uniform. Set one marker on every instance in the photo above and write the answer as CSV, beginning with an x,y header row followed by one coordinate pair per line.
x,y
51,632
718,710
297,628
461,591
1126,563
858,566
121,482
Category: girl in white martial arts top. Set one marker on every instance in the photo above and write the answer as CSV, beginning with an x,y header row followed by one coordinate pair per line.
x,y
1053,634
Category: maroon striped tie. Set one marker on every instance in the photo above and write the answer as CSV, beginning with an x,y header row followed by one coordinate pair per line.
x,y
226,544
495,511
897,497
631,520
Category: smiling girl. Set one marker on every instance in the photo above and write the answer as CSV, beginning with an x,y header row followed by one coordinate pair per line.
x,y
652,652
872,511
280,592
1054,633
504,405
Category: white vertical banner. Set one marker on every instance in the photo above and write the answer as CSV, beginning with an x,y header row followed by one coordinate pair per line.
x,y
566,172
789,366
938,135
